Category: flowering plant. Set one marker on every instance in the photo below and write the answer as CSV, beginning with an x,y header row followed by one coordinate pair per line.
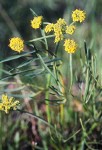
x,y
47,92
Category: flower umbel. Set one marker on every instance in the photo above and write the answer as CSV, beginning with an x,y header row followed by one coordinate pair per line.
x,y
36,22
78,15
61,22
8,103
16,44
58,33
70,29
59,28
70,46
49,27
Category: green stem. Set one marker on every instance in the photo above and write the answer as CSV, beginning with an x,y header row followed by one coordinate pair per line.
x,y
86,85
37,39
47,97
71,70
45,40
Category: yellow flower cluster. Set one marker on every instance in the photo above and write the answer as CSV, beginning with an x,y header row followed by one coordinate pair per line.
x,y
78,15
36,22
16,44
70,46
8,104
58,29
70,29
61,22
49,28
58,33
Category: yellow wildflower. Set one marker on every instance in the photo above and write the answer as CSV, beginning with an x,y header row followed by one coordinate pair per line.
x,y
16,44
1,106
70,29
58,37
49,27
61,21
59,28
70,46
78,15
36,22
8,103
58,33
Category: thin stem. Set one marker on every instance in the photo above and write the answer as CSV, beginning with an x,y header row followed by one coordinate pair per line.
x,y
71,70
86,85
62,105
45,40
62,113
47,97
40,38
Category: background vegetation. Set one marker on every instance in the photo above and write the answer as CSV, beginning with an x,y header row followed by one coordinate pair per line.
x,y
77,123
